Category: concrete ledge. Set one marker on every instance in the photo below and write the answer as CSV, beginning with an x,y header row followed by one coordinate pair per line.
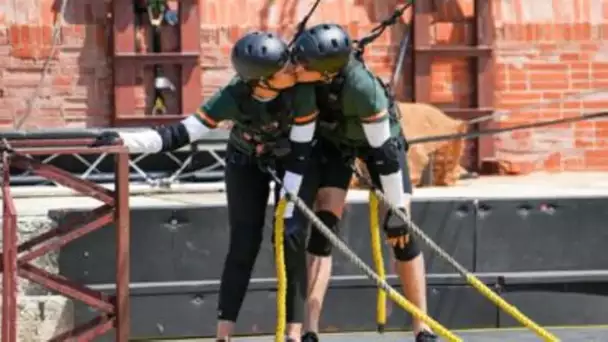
x,y
134,188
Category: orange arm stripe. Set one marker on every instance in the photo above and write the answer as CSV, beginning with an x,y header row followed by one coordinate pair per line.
x,y
205,119
375,117
303,120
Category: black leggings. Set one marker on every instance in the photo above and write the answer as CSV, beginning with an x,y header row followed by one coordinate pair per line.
x,y
248,188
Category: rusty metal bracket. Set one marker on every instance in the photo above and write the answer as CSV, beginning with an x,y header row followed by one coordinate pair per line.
x,y
16,257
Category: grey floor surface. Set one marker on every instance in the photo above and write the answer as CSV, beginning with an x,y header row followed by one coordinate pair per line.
x,y
595,334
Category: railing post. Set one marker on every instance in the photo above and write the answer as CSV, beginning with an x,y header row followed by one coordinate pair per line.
x,y
9,257
122,219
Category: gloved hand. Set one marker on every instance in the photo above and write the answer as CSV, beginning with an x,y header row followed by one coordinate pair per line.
x,y
106,139
397,232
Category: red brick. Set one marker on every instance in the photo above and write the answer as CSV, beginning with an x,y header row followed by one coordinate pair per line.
x,y
222,23
31,42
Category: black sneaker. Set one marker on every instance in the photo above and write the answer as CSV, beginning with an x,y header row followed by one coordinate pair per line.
x,y
310,337
425,336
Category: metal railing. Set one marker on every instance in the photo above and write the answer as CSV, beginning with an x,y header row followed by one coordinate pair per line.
x,y
16,257
195,163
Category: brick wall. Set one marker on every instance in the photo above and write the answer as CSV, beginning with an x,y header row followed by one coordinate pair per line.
x,y
545,50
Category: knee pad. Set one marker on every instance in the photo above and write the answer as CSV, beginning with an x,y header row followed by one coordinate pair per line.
x,y
409,252
386,157
318,244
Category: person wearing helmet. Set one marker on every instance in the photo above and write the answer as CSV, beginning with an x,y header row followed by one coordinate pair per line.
x,y
356,120
274,121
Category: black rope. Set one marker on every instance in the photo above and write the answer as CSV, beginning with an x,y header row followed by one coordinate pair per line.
x,y
302,24
379,29
403,51
476,134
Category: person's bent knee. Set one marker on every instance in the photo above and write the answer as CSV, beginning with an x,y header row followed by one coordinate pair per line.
x,y
318,244
410,251
331,199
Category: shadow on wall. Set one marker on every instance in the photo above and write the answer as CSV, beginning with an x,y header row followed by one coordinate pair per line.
x,y
86,33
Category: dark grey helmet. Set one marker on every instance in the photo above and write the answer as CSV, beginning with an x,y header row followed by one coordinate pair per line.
x,y
325,48
259,55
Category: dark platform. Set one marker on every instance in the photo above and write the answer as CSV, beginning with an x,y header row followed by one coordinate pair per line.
x,y
580,334
516,245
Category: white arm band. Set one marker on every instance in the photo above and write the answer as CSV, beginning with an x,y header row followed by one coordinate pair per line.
x,y
302,133
148,141
292,182
196,129
377,133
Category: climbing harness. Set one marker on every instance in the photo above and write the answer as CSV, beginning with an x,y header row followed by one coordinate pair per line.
x,y
268,129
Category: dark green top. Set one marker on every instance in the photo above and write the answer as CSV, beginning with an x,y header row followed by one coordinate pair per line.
x,y
361,98
264,120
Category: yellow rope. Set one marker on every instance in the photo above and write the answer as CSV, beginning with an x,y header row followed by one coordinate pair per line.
x,y
374,225
279,256
510,309
390,291
470,277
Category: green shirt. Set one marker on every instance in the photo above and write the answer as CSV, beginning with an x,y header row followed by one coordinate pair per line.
x,y
361,98
263,120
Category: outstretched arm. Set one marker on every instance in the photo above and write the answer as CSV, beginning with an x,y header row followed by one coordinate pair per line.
x,y
166,138
221,106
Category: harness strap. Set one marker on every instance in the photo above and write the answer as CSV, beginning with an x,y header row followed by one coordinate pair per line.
x,y
280,111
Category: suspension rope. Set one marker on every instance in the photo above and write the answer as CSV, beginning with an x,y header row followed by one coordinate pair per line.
x,y
379,29
56,38
302,24
544,334
492,131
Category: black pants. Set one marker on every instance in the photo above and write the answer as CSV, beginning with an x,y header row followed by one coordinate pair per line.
x,y
248,188
335,165
334,170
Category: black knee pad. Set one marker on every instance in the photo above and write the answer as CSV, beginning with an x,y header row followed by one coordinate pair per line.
x,y
409,252
318,244
386,157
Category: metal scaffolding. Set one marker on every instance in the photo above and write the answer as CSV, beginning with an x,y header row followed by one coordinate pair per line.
x,y
16,258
